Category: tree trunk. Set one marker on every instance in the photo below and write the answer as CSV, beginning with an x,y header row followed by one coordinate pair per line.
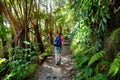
x,y
16,26
51,30
51,26
19,29
61,28
46,28
38,37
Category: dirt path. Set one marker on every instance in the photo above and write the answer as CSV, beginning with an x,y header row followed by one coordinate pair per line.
x,y
50,71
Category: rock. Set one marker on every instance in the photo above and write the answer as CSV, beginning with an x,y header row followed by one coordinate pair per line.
x,y
48,75
70,68
64,60
54,77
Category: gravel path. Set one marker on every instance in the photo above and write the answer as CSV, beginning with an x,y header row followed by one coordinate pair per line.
x,y
49,71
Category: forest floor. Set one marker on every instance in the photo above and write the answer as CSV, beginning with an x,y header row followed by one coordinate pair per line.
x,y
50,71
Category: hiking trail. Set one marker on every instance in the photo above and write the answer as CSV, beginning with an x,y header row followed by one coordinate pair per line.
x,y
64,71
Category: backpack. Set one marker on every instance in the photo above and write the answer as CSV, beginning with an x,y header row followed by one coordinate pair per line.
x,y
57,42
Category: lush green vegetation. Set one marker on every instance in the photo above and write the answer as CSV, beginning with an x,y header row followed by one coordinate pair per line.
x,y
28,27
95,39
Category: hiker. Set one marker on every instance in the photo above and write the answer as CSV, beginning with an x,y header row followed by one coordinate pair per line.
x,y
58,42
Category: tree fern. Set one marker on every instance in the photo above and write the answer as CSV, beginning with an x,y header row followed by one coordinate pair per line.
x,y
115,66
95,57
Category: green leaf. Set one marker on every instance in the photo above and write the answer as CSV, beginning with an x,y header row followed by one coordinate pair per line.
x,y
101,25
104,20
99,76
26,42
8,1
88,72
108,16
34,57
35,44
104,63
101,13
113,69
8,76
79,77
26,49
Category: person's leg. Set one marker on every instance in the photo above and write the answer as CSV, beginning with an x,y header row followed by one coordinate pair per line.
x,y
56,55
57,59
59,54
55,50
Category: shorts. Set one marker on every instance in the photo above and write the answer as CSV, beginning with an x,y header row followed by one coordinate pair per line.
x,y
57,50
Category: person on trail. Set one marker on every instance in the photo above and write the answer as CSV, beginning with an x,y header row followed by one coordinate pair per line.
x,y
58,43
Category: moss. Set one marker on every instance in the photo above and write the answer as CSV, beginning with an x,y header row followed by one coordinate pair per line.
x,y
32,68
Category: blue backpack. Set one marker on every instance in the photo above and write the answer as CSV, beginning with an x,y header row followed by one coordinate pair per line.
x,y
57,42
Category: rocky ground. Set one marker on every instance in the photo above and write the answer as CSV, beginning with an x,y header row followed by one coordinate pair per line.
x,y
64,71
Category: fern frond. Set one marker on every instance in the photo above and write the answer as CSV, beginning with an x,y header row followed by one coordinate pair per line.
x,y
115,66
95,57
91,49
82,61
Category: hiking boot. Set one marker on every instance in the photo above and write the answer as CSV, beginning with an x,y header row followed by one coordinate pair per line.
x,y
56,62
59,61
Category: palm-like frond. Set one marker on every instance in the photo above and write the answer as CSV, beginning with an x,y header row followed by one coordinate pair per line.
x,y
115,66
95,57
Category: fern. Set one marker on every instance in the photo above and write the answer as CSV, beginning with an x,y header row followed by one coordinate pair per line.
x,y
95,57
82,61
87,72
99,76
91,49
115,66
8,76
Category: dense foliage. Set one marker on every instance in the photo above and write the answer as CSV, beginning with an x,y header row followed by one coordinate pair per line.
x,y
91,39
28,27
